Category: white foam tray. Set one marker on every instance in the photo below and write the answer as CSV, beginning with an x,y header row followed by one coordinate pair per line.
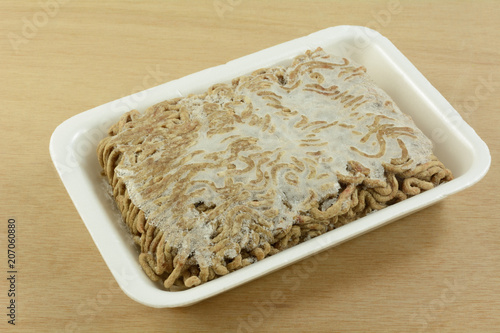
x,y
73,146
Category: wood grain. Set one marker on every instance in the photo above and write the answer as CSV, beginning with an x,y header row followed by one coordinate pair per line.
x,y
434,271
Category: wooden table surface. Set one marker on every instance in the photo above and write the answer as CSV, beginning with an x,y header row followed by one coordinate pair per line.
x,y
435,271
